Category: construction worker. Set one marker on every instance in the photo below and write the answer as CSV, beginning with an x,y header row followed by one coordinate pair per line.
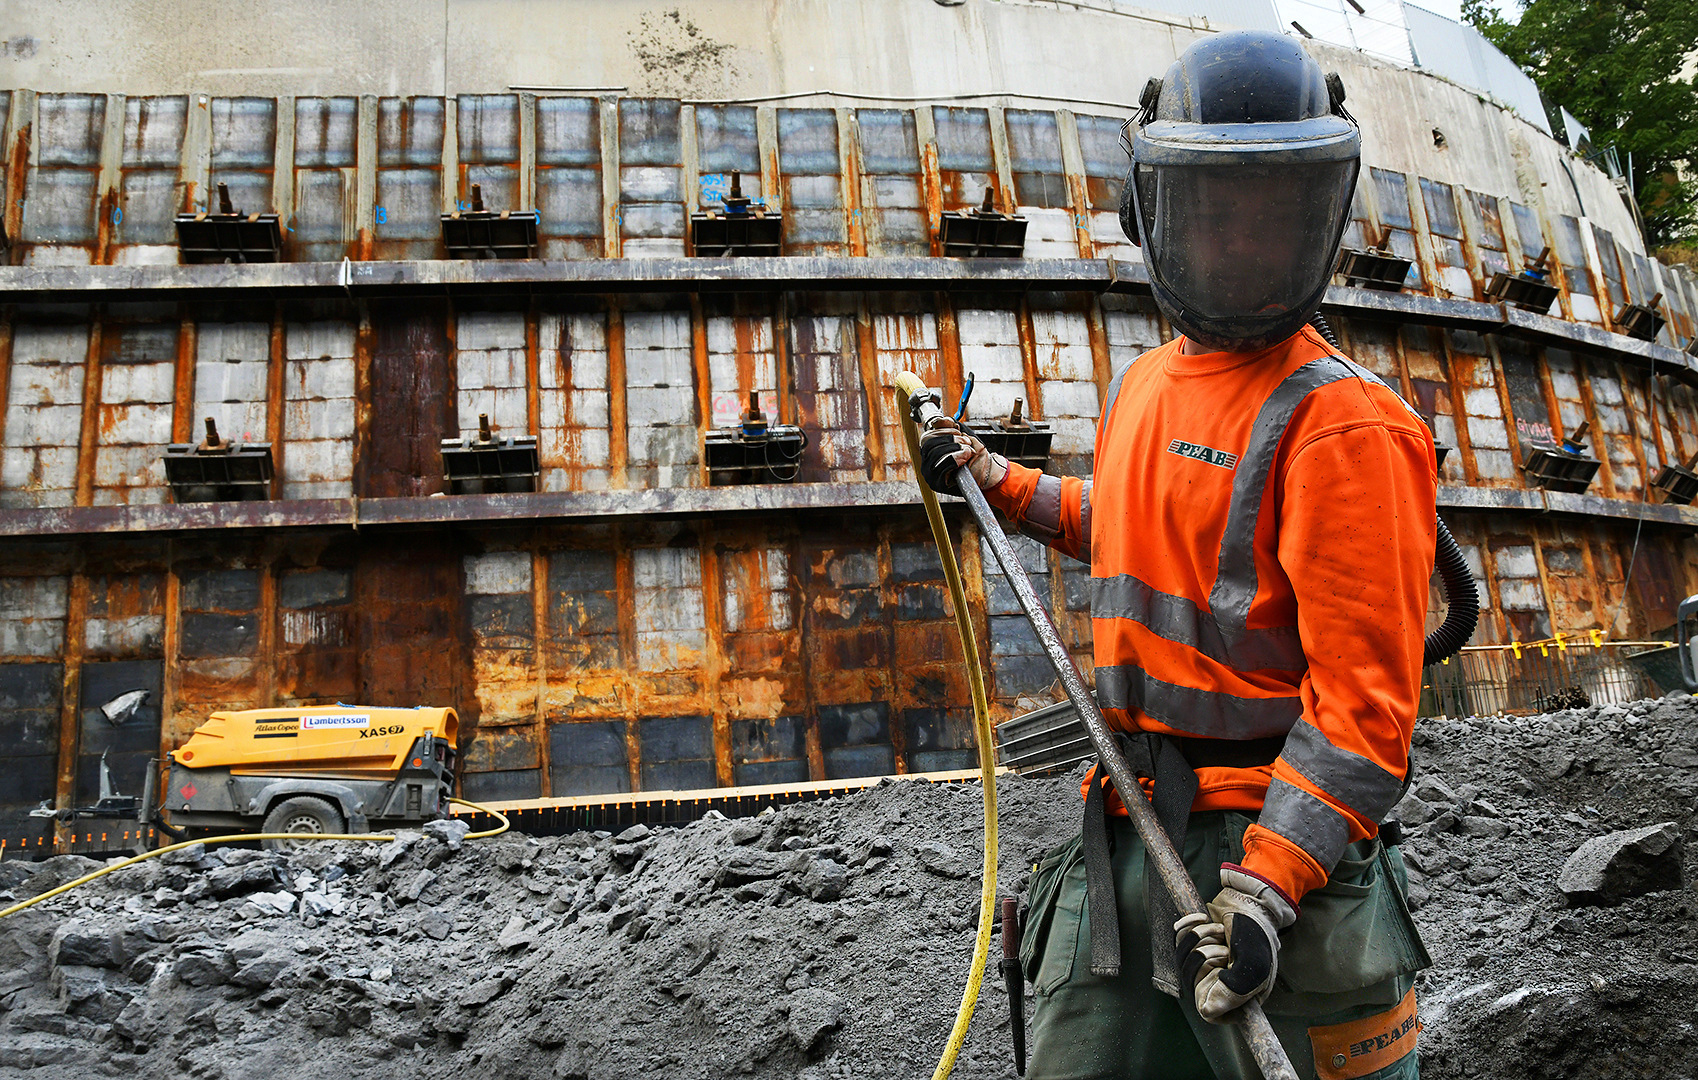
x,y
1260,526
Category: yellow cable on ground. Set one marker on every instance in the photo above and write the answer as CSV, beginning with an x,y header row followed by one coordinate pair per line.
x,y
242,838
907,383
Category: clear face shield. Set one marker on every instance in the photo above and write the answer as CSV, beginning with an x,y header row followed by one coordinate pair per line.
x,y
1247,241
1242,236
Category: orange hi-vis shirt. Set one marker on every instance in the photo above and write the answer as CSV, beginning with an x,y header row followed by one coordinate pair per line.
x,y
1260,528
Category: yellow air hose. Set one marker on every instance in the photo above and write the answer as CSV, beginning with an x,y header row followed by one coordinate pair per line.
x,y
907,384
234,838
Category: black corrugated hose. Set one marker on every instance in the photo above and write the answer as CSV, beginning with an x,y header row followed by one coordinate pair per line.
x,y
1461,600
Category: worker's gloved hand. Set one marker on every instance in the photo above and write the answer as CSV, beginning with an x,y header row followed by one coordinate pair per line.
x,y
1231,954
946,447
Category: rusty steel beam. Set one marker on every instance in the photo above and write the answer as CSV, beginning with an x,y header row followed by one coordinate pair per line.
x,y
1584,337
435,278
63,284
70,697
173,517
539,507
1414,307
1522,500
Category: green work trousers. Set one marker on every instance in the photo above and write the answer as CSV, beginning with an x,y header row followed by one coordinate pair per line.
x,y
1343,1004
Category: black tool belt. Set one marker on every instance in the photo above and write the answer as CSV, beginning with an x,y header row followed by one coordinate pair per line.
x,y
1170,761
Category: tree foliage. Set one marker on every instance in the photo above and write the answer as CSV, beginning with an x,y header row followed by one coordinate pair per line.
x,y
1617,66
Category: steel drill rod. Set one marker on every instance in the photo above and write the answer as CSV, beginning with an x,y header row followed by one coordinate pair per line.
x,y
1253,1023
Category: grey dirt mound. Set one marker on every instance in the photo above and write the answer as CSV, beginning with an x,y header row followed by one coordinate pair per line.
x,y
825,940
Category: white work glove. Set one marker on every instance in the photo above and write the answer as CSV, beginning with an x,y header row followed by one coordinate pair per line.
x,y
1231,954
946,447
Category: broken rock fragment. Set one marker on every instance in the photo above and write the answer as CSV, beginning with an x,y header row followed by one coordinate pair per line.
x,y
484,991
451,831
813,1013
517,935
941,859
434,924
1611,868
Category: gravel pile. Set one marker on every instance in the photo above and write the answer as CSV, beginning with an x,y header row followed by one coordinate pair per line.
x,y
832,939
1530,981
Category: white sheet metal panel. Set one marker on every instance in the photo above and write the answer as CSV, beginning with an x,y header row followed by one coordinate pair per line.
x,y
660,400
490,364
149,192
38,464
1049,233
755,589
135,423
1130,334
1066,381
671,621
990,352
735,342
32,615
232,362
572,402
828,383
498,573
905,342
1615,435
318,410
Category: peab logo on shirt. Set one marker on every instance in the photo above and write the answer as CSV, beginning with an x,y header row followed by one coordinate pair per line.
x,y
1203,453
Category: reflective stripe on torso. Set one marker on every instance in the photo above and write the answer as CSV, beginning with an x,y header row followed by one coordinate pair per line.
x,y
1211,638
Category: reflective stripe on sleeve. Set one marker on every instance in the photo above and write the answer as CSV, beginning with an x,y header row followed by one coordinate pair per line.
x,y
1306,821
1206,713
1085,522
1349,777
1042,519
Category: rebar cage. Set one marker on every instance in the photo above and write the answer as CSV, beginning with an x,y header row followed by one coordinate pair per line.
x,y
1541,679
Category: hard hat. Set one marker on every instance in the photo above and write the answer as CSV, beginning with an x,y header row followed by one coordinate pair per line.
x,y
1243,166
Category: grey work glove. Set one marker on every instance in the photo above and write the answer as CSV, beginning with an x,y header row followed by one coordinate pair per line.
x,y
946,448
1231,955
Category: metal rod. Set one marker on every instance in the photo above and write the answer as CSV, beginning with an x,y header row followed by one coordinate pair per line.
x,y
1253,1023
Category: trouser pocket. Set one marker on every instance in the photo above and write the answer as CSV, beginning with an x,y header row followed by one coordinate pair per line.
x,y
1054,906
1355,931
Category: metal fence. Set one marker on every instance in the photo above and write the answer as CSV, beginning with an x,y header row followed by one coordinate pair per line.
x,y
1534,678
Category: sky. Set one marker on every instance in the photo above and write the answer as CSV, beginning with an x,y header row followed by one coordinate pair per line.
x,y
1452,9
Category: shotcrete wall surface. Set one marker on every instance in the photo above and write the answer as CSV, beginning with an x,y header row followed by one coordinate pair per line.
x,y
829,939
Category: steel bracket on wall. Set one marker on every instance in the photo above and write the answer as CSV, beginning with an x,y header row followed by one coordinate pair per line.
x,y
229,236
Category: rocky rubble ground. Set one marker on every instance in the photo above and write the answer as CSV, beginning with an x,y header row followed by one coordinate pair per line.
x,y
1529,980
832,939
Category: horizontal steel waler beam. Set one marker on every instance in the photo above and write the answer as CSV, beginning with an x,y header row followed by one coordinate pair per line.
x,y
549,507
546,277
880,273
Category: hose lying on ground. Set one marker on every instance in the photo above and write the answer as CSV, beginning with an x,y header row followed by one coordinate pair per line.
x,y
981,728
243,838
